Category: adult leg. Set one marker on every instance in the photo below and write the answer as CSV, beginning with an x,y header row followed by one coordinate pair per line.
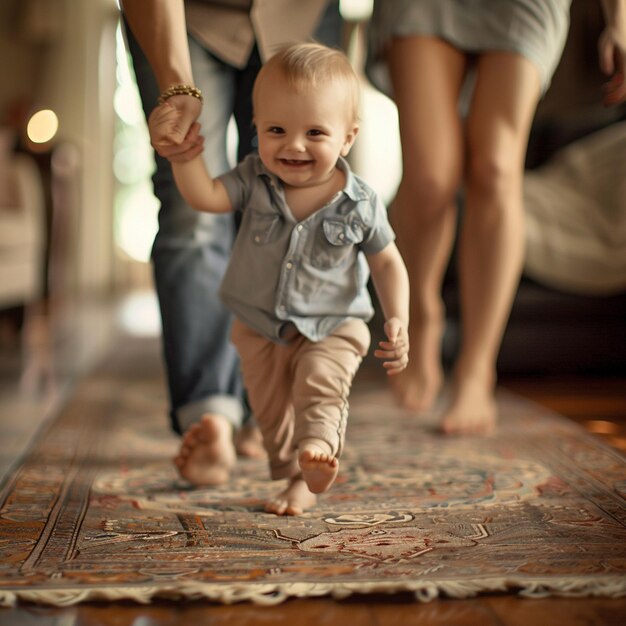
x,y
190,254
427,76
492,240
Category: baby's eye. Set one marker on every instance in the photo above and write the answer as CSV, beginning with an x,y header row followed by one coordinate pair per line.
x,y
276,130
315,132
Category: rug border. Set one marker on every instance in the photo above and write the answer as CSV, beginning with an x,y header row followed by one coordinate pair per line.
x,y
268,594
273,594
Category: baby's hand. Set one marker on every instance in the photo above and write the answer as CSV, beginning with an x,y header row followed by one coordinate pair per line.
x,y
394,351
165,125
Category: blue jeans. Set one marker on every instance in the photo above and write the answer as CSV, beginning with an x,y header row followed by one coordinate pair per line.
x,y
191,249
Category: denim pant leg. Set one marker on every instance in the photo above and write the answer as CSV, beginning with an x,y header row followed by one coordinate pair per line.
x,y
329,31
190,255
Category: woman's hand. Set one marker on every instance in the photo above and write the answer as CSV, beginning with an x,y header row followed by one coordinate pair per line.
x,y
612,54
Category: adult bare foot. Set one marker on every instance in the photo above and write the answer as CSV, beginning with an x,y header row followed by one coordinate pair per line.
x,y
249,442
294,500
207,454
473,410
417,390
319,469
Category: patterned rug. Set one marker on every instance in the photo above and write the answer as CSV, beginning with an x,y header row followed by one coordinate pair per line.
x,y
95,510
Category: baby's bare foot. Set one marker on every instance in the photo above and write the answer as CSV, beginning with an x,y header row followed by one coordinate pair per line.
x,y
294,500
207,454
319,469
473,410
249,442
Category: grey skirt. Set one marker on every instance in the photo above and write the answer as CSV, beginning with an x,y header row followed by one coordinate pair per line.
x,y
536,29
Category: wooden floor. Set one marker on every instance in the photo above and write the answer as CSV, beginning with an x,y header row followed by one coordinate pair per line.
x,y
37,371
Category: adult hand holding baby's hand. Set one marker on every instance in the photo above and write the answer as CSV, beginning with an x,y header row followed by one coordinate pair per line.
x,y
394,351
174,133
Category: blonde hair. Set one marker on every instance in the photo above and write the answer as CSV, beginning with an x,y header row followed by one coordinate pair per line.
x,y
307,65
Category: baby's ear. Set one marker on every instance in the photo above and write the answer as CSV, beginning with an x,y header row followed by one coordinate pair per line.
x,y
348,143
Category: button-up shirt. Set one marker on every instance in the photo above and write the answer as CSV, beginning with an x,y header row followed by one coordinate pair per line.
x,y
311,274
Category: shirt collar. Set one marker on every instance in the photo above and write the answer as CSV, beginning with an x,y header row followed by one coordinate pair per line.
x,y
353,189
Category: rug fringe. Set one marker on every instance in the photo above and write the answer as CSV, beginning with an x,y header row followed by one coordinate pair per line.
x,y
272,594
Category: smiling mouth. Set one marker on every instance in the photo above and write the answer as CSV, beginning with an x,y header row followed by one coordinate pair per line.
x,y
296,162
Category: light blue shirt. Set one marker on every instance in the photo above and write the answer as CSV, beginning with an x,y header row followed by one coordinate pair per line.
x,y
310,273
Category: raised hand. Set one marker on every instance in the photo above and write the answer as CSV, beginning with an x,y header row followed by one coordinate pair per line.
x,y
395,351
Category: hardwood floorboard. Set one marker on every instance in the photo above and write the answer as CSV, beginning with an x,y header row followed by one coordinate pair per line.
x,y
559,611
598,404
399,610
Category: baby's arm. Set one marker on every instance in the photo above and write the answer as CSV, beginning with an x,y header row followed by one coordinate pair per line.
x,y
193,180
391,282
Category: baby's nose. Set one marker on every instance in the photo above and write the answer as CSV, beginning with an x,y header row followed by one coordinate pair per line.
x,y
296,144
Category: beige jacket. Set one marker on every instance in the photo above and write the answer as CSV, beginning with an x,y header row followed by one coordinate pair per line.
x,y
229,28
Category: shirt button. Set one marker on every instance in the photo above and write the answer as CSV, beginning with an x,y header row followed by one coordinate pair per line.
x,y
289,265
299,227
257,238
341,236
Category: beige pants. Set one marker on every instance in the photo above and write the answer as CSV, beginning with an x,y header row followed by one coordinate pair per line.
x,y
300,390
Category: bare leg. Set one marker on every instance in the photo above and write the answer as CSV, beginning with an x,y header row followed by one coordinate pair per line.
x,y
293,500
207,455
427,75
492,240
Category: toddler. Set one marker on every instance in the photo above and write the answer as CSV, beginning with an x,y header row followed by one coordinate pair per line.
x,y
311,234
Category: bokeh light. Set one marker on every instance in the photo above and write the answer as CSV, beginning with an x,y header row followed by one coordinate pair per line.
x,y
356,10
42,126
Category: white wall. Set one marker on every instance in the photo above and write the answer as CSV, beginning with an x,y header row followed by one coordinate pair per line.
x,y
78,85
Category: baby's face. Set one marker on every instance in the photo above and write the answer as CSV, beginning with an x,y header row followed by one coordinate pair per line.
x,y
302,134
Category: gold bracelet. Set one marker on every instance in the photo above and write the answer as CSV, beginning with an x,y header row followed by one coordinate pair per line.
x,y
180,90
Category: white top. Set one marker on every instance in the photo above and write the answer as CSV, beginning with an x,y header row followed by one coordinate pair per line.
x,y
230,28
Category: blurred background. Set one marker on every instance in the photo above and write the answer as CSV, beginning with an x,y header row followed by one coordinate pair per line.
x,y
77,216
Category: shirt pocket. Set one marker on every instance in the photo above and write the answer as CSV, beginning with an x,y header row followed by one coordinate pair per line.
x,y
263,228
335,242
